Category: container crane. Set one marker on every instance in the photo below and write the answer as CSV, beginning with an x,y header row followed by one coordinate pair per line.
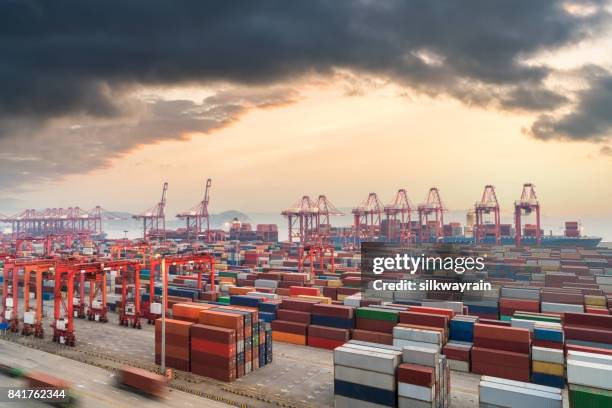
x,y
487,205
323,210
128,271
432,205
197,217
154,219
312,252
300,219
398,215
367,219
525,206
63,306
32,320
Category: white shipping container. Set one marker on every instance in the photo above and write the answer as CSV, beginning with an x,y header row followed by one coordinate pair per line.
x,y
366,360
547,355
548,307
365,377
418,335
410,343
589,374
155,308
29,317
505,395
417,392
589,357
420,356
60,324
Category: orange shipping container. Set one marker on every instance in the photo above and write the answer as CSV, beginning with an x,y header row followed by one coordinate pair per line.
x,y
222,319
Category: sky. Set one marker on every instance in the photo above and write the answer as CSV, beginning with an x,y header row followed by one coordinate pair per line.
x,y
100,103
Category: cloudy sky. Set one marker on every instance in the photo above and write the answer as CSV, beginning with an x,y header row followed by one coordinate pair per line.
x,y
101,102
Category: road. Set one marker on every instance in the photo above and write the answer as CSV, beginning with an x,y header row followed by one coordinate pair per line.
x,y
94,386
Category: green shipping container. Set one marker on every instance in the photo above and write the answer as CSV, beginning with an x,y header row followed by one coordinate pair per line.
x,y
378,314
589,397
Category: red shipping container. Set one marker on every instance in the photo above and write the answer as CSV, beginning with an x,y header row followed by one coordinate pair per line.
x,y
518,305
289,327
495,370
433,310
345,312
415,374
502,333
586,349
588,334
500,357
456,353
383,326
328,344
293,316
372,336
301,305
423,319
300,290
332,333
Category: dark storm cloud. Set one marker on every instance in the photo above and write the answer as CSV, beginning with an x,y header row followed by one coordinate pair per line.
x,y
85,59
73,148
591,119
77,56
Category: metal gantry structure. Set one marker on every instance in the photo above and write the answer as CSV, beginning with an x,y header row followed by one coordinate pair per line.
x,y
433,205
487,206
323,211
398,217
527,204
154,219
197,220
56,221
367,218
301,217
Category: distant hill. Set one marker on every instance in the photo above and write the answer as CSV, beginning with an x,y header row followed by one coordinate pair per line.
x,y
224,218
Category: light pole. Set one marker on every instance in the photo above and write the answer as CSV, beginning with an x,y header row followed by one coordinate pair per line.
x,y
163,315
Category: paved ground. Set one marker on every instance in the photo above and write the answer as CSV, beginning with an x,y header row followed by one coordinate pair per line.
x,y
93,386
299,376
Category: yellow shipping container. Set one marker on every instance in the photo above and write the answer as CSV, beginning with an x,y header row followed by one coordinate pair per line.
x,y
548,368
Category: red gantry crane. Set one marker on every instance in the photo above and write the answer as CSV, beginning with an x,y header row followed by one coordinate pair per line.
x,y
301,217
367,219
32,319
323,210
488,205
154,219
525,206
398,214
432,205
197,218
63,307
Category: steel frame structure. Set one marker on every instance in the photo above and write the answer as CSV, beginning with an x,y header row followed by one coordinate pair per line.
x,y
198,217
399,210
154,219
525,206
432,205
301,217
487,205
367,218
